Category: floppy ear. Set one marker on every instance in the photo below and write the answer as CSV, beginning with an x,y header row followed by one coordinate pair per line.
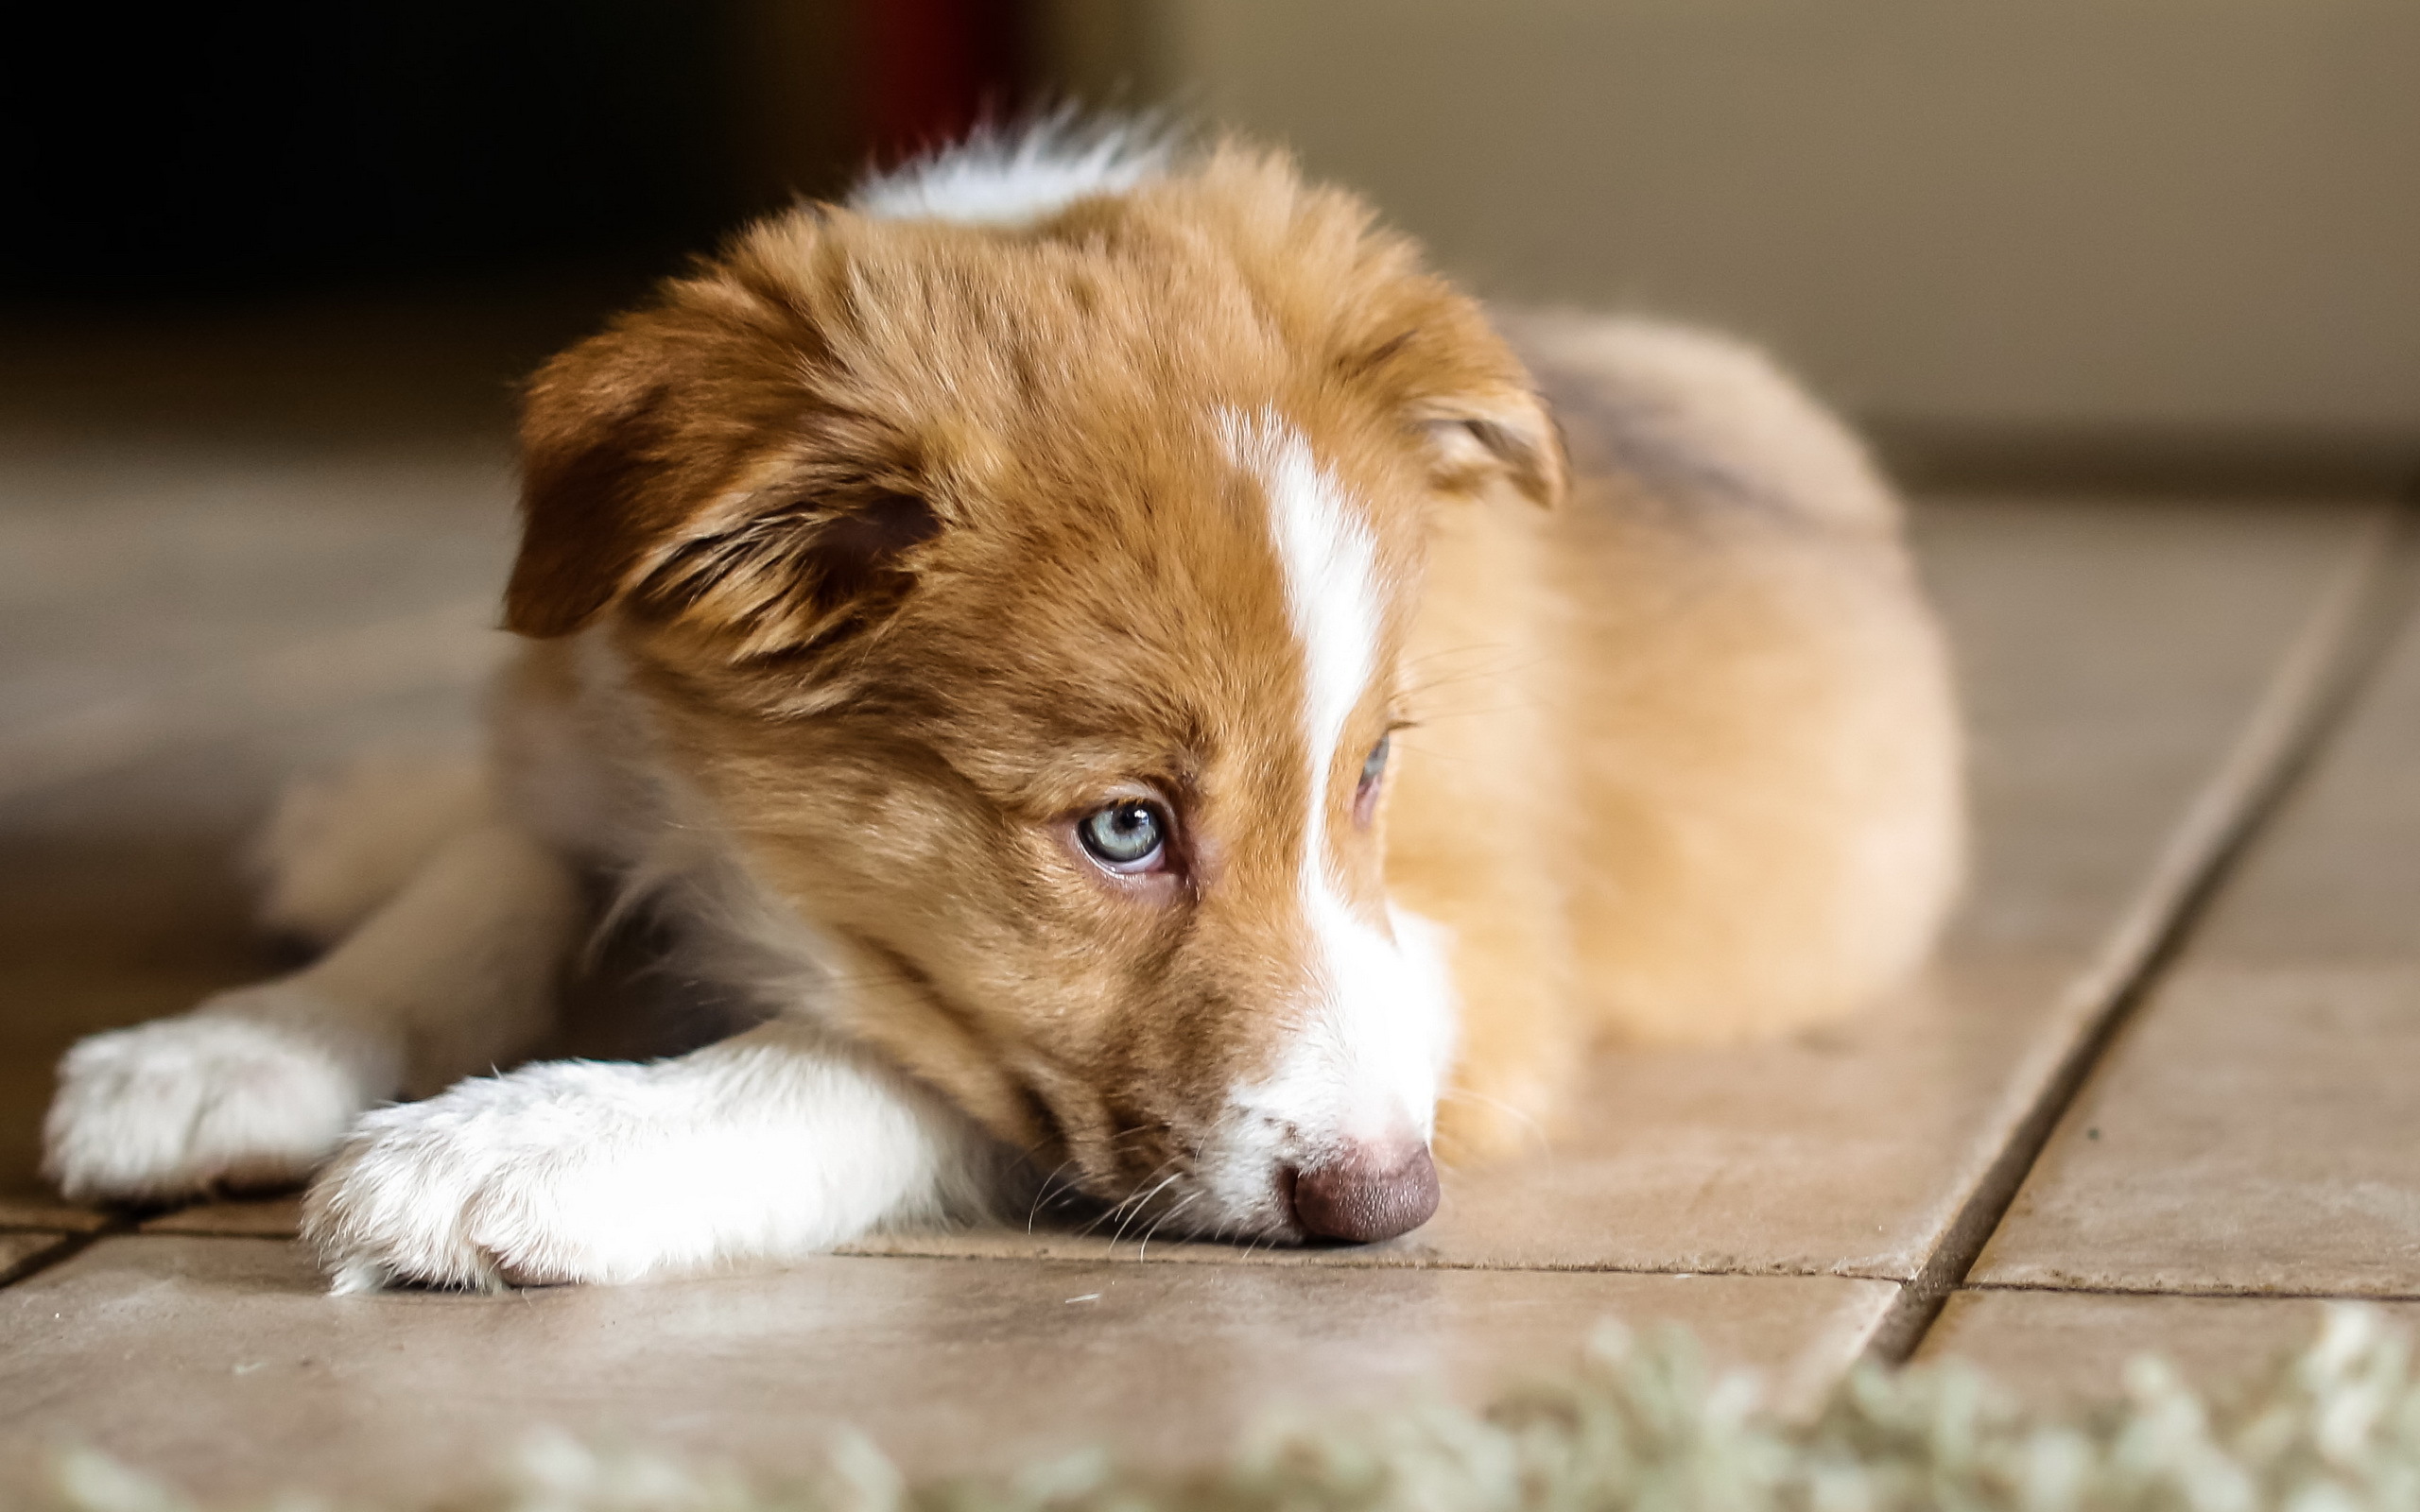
x,y
1503,433
1453,380
799,567
594,437
641,494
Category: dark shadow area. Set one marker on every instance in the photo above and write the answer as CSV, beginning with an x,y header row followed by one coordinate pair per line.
x,y
274,149
281,147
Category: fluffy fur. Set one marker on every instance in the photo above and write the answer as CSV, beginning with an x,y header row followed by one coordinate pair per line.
x,y
870,563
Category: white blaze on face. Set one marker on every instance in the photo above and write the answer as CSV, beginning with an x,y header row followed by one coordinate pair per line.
x,y
1377,1027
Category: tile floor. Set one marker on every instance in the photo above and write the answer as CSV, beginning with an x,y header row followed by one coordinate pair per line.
x,y
198,601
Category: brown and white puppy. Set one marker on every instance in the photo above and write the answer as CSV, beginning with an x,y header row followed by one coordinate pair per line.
x,y
1101,651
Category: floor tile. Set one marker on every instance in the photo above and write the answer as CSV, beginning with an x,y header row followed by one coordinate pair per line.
x,y
2112,654
197,582
26,1203
249,1377
2336,875
2255,1132
2109,652
21,1252
274,1217
2253,1128
2069,1346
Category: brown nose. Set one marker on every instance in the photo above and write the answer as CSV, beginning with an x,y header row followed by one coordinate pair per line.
x,y
1374,1191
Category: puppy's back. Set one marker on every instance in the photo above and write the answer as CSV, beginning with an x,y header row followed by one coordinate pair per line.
x,y
1722,769
1763,733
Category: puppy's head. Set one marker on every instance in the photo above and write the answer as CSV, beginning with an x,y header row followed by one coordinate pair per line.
x,y
1023,601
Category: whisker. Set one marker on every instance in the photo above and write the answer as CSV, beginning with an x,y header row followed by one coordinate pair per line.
x,y
1533,1127
1144,1251
1141,1202
1124,1203
1052,1189
1043,1195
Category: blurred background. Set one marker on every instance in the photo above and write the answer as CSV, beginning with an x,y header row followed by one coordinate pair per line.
x,y
2173,239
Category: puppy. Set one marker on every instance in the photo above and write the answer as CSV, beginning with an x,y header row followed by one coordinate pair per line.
x,y
1105,656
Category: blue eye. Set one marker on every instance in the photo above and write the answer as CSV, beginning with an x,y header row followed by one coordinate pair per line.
x,y
1375,765
1125,838
1373,768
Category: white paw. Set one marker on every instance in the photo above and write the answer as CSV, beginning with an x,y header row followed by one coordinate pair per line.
x,y
207,1102
532,1178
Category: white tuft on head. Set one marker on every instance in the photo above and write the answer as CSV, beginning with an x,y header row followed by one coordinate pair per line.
x,y
1377,1029
1016,175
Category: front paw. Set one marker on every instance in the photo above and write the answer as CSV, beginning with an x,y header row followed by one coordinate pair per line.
x,y
501,1180
213,1100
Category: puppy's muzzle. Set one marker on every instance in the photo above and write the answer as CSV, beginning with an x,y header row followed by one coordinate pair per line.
x,y
1370,1192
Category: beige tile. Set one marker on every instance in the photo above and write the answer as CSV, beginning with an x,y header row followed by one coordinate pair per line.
x,y
26,1203
122,584
249,1377
2109,652
272,1217
2336,874
2253,1129
2112,653
2069,1346
21,1252
319,682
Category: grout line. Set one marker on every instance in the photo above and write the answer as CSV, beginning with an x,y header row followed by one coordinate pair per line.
x,y
284,1235
1240,1258
1347,1260
2330,661
2188,1293
69,1247
1343,1260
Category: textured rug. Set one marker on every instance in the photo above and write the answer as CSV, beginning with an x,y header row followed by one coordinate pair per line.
x,y
1641,1427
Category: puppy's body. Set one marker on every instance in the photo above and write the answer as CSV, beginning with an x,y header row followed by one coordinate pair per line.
x,y
981,628
1694,770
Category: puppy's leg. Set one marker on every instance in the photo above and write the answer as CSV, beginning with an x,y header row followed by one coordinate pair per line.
x,y
776,1144
253,1088
340,845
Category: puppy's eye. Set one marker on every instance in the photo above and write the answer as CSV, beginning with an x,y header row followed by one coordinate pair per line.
x,y
1365,797
1125,838
1375,765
